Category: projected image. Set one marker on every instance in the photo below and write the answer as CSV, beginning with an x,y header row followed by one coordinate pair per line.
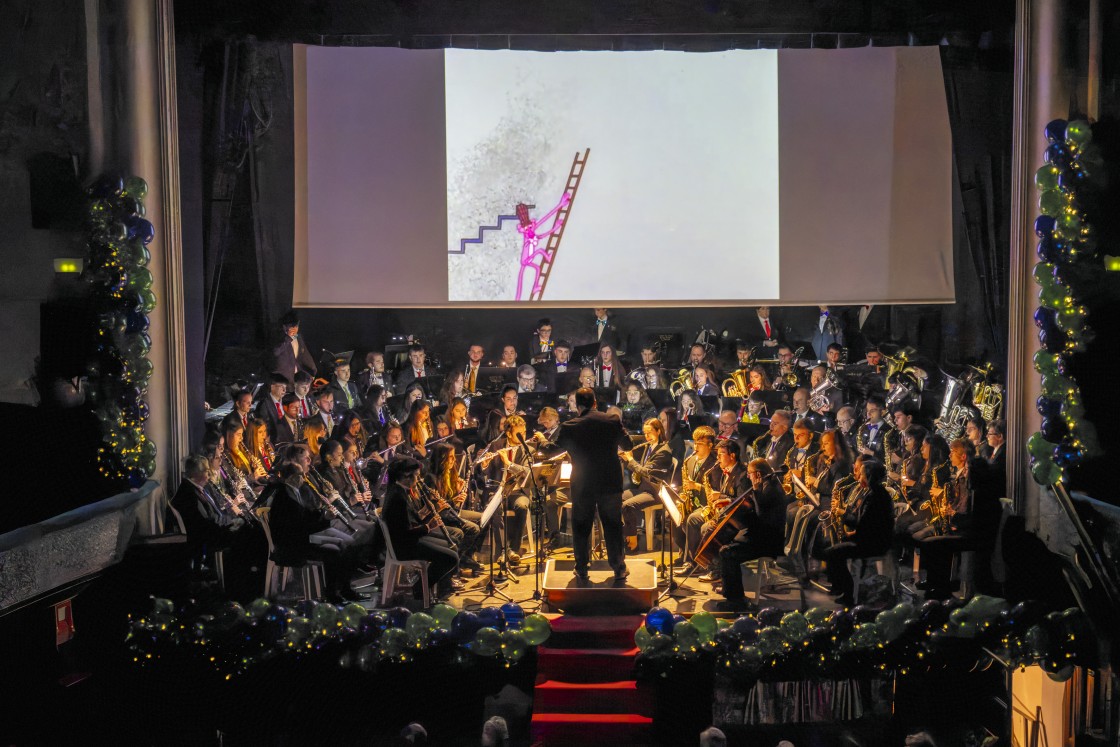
x,y
587,176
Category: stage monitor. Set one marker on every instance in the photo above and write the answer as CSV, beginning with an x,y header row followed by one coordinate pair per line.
x,y
495,178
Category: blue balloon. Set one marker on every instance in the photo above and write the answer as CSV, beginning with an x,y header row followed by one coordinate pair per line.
x,y
771,616
137,477
1057,154
1071,179
1045,318
491,617
1048,408
107,185
677,619
136,321
1049,249
1044,225
747,627
513,615
441,637
659,620
1066,455
1053,340
464,625
1056,130
398,616
1053,429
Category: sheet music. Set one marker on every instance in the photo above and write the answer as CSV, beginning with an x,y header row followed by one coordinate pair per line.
x,y
670,505
812,496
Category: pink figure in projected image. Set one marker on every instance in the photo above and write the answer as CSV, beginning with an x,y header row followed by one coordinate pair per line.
x,y
532,256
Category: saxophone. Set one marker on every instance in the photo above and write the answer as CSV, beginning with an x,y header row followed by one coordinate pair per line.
x,y
710,509
938,503
833,520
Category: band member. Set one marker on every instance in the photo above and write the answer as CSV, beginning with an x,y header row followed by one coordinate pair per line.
x,y
975,432
556,372
835,397
540,348
846,427
271,407
868,526
207,522
606,332
314,435
363,491
650,465
744,355
770,334
302,389
871,441
237,464
450,494
732,484
834,357
903,418
790,372
412,394
292,355
649,354
592,441
704,379
509,357
675,432
506,464
763,535
774,445
380,417
413,528
325,402
418,427
260,446
934,483
471,372
458,416
636,407
374,375
828,331
797,459
728,425
345,392
416,368
587,377
331,456
454,387
907,477
289,429
353,431
242,411
695,469
802,413
609,371
997,455
549,422
691,410
527,379
698,355
509,401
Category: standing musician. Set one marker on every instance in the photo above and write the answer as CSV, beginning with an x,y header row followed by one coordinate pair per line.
x,y
777,441
609,371
763,535
450,495
505,462
414,527
292,355
730,481
540,349
592,441
697,468
650,465
868,526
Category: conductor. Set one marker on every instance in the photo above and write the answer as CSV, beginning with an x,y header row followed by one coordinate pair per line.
x,y
593,440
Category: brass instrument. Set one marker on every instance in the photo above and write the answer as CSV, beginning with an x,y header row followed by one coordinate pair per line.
x,y
833,519
682,383
818,398
711,510
789,376
938,503
738,384
951,421
987,396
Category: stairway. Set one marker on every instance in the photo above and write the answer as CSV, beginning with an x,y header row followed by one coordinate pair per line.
x,y
585,691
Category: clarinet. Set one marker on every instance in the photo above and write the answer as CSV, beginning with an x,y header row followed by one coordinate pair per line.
x,y
333,496
328,504
424,494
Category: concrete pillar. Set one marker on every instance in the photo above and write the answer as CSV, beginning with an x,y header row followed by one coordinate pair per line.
x,y
133,129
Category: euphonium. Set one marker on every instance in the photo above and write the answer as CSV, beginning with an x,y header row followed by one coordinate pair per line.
x,y
818,398
681,383
738,385
988,399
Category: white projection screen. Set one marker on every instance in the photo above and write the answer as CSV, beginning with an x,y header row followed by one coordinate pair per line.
x,y
445,177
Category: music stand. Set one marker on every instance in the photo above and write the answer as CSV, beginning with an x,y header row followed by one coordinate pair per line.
x,y
669,500
496,500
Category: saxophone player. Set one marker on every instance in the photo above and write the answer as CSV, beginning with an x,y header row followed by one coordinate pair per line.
x,y
725,483
697,467
868,525
871,439
763,535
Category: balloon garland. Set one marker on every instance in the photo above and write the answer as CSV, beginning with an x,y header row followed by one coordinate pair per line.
x,y
821,644
118,375
234,638
1066,246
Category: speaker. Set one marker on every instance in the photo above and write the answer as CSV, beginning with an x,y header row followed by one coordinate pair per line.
x,y
57,199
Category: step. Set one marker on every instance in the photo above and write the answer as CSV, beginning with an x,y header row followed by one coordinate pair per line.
x,y
614,631
586,664
624,696
591,728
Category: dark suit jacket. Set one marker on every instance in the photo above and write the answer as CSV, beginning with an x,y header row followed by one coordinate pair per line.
x,y
235,417
203,519
592,441
777,457
872,518
534,349
285,434
285,362
611,334
766,520
876,330
406,377
755,334
658,466
266,411
296,514
402,521
364,382
340,396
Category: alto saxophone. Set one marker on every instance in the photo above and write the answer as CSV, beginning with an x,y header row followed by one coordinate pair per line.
x,y
938,503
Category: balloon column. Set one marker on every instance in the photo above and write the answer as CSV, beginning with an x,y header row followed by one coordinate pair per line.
x,y
1066,246
232,638
118,374
821,644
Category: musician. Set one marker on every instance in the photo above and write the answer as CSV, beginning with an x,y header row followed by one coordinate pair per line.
x,y
975,431
728,424
509,401
260,447
732,483
325,402
802,413
331,456
763,535
872,437
759,381
771,336
829,331
696,467
289,428
418,427
868,526
292,355
649,355
788,368
777,441
450,494
704,379
374,375
675,432
242,411
650,465
907,477
506,462
797,459
345,392
817,376
352,431
416,368
903,418
271,407
554,372
237,464
606,332
412,528
540,348
831,463
845,426
380,417
314,434
697,356
208,523
412,394
997,455
637,407
363,493
302,390
873,359
592,441
653,377
527,379
691,410
454,387
549,422
587,377
509,357
457,416
609,371
744,354
933,484
471,373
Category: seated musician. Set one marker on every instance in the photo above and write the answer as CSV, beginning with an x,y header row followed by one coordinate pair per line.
x,y
744,354
730,482
846,427
763,535
527,379
867,527
903,418
802,412
695,468
289,428
271,407
777,441
509,401
208,520
330,468
675,431
650,465
835,397
872,438
413,528
505,464
327,409
374,375
907,478
796,463
457,415
413,393
554,369
691,410
260,446
509,357
790,371
975,430
304,528
246,475
351,430
637,407
314,434
727,425
418,428
379,415
827,468
302,389
415,370
997,454
454,387
704,379
697,356
242,411
542,344
450,493
346,394
363,493
587,377
222,486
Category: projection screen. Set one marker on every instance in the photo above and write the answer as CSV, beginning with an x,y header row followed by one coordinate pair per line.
x,y
489,178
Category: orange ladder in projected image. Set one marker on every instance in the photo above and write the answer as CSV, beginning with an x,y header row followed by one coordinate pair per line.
x,y
553,244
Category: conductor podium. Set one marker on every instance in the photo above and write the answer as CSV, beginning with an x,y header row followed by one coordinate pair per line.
x,y
601,594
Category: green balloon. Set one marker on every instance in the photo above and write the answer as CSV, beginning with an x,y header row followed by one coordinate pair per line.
x,y
1051,202
443,614
393,643
136,187
420,625
487,642
1051,297
298,630
771,641
258,608
705,624
537,629
1045,472
1044,273
325,616
1056,385
818,616
352,615
794,626
686,635
1070,223
144,370
513,646
1045,362
643,638
1038,446
148,300
1046,178
749,660
140,279
1079,133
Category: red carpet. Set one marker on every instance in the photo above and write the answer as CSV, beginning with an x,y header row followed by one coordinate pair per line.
x,y
585,691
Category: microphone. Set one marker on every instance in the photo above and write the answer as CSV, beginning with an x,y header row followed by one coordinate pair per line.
x,y
521,437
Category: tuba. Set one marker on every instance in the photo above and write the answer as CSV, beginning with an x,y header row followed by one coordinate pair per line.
x,y
738,384
954,415
682,383
818,398
987,396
